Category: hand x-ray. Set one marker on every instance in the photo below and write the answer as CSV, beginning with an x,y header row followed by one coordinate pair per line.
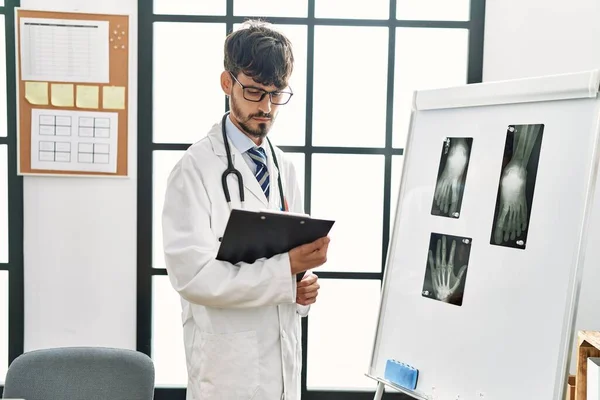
x,y
451,178
516,185
446,270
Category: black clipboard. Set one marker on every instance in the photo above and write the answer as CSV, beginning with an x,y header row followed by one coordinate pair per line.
x,y
251,235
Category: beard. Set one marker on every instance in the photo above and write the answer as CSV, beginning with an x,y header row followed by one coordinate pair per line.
x,y
244,120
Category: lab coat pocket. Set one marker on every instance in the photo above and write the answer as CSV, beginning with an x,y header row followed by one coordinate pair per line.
x,y
229,366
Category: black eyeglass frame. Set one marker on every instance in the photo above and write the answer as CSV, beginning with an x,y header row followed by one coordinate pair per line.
x,y
264,93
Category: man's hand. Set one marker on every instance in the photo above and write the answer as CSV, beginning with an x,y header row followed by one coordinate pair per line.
x,y
308,256
307,290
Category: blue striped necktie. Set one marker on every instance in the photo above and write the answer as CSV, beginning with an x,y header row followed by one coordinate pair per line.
x,y
258,155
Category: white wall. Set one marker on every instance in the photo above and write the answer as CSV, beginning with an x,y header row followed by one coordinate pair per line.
x,y
80,236
538,37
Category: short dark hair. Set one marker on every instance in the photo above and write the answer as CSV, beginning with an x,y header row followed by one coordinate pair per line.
x,y
261,52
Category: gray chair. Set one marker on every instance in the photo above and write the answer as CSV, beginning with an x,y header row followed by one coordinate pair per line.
x,y
81,373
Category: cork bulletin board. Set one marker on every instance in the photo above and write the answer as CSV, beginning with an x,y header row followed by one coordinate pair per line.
x,y
72,93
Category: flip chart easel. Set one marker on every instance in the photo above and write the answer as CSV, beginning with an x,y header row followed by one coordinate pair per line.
x,y
511,255
72,93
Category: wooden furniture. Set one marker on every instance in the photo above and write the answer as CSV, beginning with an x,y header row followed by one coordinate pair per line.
x,y
571,388
588,345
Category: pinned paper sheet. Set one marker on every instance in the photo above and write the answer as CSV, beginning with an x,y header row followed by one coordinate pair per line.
x,y
62,95
63,50
36,92
113,97
87,96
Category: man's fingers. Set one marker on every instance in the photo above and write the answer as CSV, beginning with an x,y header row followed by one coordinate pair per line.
x,y
317,258
307,295
308,289
307,298
307,281
306,302
316,245
315,254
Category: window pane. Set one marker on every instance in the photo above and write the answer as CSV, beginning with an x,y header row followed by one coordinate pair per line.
x,y
419,54
290,126
3,128
271,8
167,334
3,204
164,161
340,334
397,163
3,325
189,7
298,159
350,102
374,9
449,10
349,189
188,98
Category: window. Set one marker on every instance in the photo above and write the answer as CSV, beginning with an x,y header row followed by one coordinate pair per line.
x,y
356,68
11,202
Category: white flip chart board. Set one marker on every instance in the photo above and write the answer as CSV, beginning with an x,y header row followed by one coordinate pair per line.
x,y
484,268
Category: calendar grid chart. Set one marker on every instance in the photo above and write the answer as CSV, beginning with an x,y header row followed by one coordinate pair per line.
x,y
72,91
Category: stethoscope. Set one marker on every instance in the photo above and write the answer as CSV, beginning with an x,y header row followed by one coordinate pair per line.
x,y
231,170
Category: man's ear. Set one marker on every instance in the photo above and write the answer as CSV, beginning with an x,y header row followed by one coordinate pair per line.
x,y
226,83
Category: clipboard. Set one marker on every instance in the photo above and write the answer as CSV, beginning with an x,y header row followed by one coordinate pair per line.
x,y
251,235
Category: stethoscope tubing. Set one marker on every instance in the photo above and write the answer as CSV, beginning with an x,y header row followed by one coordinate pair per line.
x,y
232,170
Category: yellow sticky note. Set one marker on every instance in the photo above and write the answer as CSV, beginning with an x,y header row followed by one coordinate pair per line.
x,y
36,92
113,97
62,95
87,96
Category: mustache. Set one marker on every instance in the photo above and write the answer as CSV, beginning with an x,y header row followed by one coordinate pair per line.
x,y
261,115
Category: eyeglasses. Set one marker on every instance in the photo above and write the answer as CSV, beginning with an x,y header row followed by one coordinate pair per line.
x,y
256,95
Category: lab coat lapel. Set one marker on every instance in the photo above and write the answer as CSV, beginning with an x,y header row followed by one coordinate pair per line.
x,y
250,183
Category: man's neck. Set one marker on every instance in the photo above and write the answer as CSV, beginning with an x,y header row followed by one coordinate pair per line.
x,y
257,140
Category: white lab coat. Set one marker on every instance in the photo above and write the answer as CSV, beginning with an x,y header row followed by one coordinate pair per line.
x,y
241,324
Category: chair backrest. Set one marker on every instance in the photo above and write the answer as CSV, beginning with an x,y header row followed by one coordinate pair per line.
x,y
81,373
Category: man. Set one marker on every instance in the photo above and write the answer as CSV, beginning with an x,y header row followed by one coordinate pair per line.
x,y
241,322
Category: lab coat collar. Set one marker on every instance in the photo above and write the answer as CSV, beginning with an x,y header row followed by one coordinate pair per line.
x,y
216,139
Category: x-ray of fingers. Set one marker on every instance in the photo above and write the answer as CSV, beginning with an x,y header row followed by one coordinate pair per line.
x,y
451,178
446,268
516,185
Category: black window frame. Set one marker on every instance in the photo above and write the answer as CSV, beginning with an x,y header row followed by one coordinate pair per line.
x,y
146,147
14,266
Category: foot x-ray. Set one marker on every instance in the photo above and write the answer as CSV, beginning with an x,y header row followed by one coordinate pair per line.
x,y
446,271
516,185
452,174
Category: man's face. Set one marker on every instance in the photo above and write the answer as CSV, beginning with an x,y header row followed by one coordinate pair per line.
x,y
255,118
